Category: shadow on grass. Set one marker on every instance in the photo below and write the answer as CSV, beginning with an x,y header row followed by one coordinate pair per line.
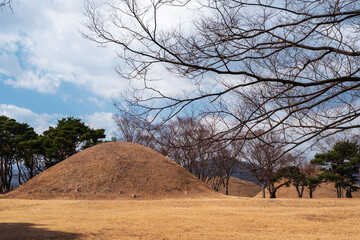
x,y
10,231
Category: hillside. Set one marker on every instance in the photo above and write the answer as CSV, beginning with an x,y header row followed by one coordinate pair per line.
x,y
114,171
241,188
326,190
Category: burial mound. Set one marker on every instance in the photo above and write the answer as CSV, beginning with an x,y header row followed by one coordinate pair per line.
x,y
114,171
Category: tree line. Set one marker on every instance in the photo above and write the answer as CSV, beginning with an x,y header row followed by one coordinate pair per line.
x,y
189,142
276,74
281,66
24,153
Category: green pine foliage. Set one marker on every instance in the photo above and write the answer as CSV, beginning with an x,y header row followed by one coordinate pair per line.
x,y
13,139
312,183
24,152
341,166
67,138
293,175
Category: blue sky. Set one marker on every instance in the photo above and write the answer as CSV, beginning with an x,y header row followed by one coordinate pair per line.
x,y
48,71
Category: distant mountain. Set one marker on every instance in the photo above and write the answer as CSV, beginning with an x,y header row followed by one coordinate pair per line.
x,y
244,174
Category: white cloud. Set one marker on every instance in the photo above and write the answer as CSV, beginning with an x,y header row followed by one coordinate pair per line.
x,y
41,48
44,83
40,122
42,41
97,102
101,120
9,62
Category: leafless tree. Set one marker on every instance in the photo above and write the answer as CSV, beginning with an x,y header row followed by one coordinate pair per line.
x,y
134,130
216,179
296,63
226,161
186,141
264,160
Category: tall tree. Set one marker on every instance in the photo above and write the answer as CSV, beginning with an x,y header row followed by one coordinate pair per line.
x,y
135,130
226,160
32,152
313,180
341,166
67,138
12,137
293,175
186,141
312,184
25,134
300,174
294,63
264,161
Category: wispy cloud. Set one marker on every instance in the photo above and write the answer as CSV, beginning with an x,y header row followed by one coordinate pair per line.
x,y
102,120
41,121
97,102
41,82
40,47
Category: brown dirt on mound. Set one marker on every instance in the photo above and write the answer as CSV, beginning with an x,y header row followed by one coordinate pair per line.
x,y
240,188
326,190
114,171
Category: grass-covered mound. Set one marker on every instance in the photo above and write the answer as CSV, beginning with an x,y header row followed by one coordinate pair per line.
x,y
114,171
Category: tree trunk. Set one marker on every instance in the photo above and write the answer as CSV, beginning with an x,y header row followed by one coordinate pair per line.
x,y
1,185
342,189
2,175
227,185
302,191
263,189
272,191
348,193
338,192
19,172
32,168
7,175
299,192
272,194
311,193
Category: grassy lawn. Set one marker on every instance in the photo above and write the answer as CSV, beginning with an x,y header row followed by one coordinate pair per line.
x,y
229,218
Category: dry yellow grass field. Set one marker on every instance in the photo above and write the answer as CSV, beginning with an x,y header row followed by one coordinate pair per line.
x,y
222,218
71,201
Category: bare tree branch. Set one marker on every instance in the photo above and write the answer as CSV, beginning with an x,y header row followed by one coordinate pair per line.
x,y
279,66
4,3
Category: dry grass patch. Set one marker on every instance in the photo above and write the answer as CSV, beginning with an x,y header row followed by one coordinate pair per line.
x,y
230,218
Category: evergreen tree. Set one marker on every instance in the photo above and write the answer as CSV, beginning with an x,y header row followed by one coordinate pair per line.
x,y
293,175
33,158
341,166
312,184
67,138
12,136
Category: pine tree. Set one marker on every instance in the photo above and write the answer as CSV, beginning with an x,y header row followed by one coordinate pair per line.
x,y
340,166
67,138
